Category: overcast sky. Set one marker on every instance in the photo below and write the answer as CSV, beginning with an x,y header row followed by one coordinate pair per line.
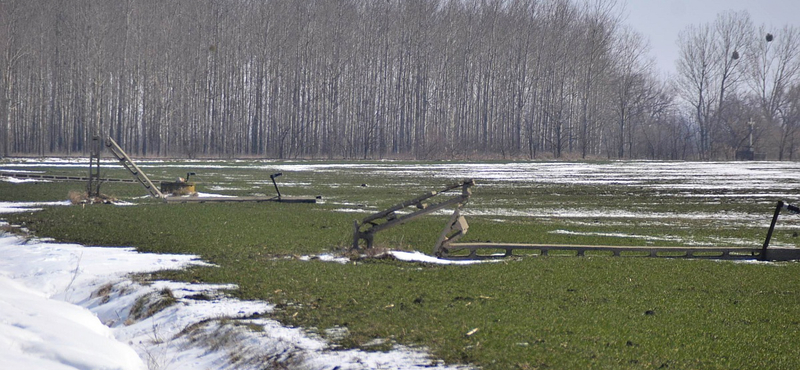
x,y
662,20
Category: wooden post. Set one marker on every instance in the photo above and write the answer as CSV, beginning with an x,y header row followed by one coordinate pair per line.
x,y
93,185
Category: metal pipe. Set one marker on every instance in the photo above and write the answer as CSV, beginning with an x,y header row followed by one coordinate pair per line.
x,y
272,177
778,208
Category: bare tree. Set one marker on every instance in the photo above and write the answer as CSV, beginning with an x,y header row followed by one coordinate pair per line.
x,y
601,24
356,79
630,87
774,69
13,13
709,68
791,119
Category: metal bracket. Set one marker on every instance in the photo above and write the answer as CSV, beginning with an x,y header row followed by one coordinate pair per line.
x,y
455,228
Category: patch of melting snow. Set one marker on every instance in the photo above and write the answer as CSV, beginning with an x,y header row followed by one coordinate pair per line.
x,y
769,198
208,195
21,171
15,180
620,235
746,243
424,258
281,184
398,255
604,213
67,305
353,210
15,207
123,203
223,188
325,257
650,238
672,175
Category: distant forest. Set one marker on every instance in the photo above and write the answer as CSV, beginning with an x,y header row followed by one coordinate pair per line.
x,y
415,79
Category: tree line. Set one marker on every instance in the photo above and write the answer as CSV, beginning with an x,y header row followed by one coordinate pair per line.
x,y
422,79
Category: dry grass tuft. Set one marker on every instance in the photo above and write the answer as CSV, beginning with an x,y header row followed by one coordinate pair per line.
x,y
77,197
234,337
150,304
104,292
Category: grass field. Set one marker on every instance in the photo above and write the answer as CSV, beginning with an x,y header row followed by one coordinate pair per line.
x,y
519,313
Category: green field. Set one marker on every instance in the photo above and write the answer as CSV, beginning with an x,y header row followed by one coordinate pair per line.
x,y
530,312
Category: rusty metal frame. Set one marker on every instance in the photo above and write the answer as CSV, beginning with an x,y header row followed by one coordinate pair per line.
x,y
372,224
457,227
137,173
93,183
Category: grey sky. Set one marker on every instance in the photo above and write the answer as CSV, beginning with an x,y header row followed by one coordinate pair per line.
x,y
662,20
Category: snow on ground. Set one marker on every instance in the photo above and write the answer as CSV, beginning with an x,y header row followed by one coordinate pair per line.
x,y
15,180
203,195
424,258
67,306
12,207
729,176
212,195
606,213
658,174
42,333
41,288
400,256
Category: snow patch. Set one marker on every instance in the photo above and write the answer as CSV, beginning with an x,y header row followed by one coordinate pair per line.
x,y
15,207
424,258
67,306
15,180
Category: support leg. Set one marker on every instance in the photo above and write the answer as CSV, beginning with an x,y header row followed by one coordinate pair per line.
x,y
778,208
